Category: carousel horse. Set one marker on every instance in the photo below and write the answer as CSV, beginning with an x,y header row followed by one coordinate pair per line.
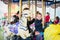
x,y
23,29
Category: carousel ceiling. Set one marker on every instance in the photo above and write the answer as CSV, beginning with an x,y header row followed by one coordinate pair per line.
x,y
47,2
31,0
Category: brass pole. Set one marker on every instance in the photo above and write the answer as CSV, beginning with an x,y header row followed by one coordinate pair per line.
x,y
20,9
32,7
35,6
29,3
9,11
44,8
43,12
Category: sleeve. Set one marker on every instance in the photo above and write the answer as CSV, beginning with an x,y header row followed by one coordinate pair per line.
x,y
30,22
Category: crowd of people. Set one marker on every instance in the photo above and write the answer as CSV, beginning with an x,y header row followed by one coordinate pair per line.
x,y
37,32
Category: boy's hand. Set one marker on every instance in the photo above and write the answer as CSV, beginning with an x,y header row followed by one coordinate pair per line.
x,y
37,33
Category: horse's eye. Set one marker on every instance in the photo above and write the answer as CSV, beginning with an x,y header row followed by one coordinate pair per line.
x,y
25,14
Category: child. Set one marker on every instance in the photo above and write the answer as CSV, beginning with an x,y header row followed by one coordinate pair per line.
x,y
38,26
47,20
56,21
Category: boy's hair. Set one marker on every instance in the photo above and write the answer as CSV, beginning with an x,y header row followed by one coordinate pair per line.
x,y
38,13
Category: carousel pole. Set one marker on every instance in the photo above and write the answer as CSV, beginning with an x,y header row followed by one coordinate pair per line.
x,y
32,7
29,3
29,9
20,9
44,7
35,6
55,10
9,11
43,12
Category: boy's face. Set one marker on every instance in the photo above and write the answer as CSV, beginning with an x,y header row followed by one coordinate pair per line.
x,y
39,17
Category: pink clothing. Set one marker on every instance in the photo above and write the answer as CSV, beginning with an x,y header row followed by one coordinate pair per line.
x,y
47,18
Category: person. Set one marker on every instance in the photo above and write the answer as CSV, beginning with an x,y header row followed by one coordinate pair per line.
x,y
47,19
15,21
56,21
38,26
38,33
15,18
30,24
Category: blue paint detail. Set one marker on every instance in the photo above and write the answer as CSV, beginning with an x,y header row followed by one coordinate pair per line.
x,y
14,1
51,3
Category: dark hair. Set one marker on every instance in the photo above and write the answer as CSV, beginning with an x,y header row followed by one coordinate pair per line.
x,y
14,16
57,17
16,19
17,12
38,13
48,13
